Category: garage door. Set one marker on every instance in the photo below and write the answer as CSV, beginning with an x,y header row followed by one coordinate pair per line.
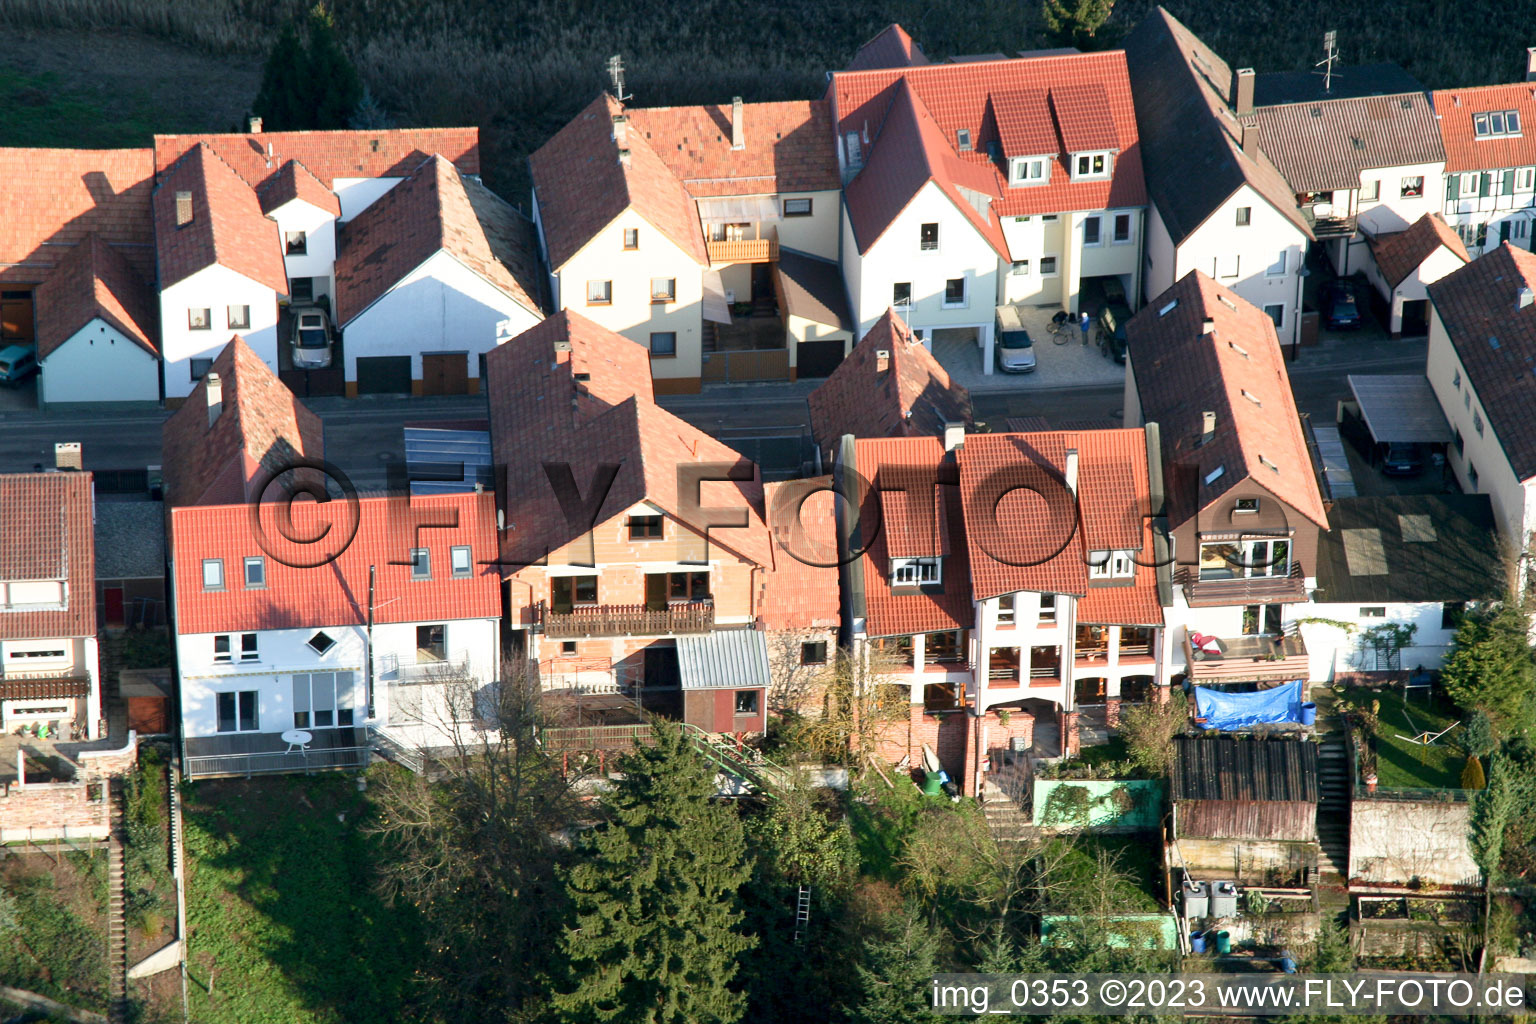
x,y
818,358
444,373
384,375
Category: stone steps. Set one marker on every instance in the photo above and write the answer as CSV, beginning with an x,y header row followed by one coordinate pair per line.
x,y
117,930
1333,807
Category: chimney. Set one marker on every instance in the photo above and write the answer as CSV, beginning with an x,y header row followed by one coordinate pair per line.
x,y
621,130
255,125
1251,141
183,209
1530,63
954,435
1525,297
1208,325
66,455
1242,92
1207,426
215,388
882,360
738,140
1072,471
623,158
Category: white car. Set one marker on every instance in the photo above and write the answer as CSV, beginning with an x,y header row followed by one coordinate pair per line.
x,y
311,339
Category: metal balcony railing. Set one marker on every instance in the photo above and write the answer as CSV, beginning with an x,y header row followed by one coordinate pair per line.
x,y
629,619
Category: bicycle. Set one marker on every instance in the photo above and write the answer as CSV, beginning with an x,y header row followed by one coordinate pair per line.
x,y
1060,328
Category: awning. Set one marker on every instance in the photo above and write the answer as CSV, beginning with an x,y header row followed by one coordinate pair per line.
x,y
1400,408
723,659
715,309
738,210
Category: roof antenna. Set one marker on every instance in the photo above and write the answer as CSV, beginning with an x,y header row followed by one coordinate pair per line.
x,y
1331,54
616,74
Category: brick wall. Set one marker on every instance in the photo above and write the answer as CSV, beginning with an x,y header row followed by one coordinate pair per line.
x,y
54,810
953,737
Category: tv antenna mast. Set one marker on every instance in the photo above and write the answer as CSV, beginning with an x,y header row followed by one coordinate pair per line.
x,y
1331,54
616,75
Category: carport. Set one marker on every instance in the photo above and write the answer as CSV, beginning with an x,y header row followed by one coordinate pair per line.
x,y
1400,409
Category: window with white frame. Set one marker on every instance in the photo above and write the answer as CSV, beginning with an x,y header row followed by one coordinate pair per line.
x,y
324,700
916,572
1412,186
928,237
1277,268
1092,231
1024,170
1122,229
1110,565
213,574
1020,268
1091,165
1470,183
1276,311
1047,609
1048,266
901,294
954,293
237,711
1496,124
249,650
1370,191
221,649
1007,613
255,573
1525,179
1250,558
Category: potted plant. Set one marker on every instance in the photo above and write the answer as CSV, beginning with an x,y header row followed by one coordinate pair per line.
x,y
1368,769
1003,717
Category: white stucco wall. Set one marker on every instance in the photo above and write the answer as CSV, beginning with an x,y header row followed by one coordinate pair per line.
x,y
1415,286
1391,211
1029,238
357,194
1517,210
815,234
99,364
319,261
79,655
1219,241
1331,649
215,288
440,306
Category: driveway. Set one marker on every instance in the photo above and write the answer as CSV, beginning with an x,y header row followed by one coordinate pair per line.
x,y
1056,366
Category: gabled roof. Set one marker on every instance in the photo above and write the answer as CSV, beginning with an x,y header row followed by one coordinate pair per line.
x,y
48,517
1235,371
261,428
1191,142
1402,252
891,48
336,593
1495,339
1464,151
94,280
293,181
227,228
1423,548
435,210
800,589
577,394
1024,531
1041,106
914,396
813,288
788,147
1325,145
581,184
53,198
328,155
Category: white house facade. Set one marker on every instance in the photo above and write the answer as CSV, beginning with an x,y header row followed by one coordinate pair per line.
x,y
198,316
98,363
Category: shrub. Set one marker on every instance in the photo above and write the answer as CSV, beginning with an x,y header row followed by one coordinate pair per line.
x,y
1472,775
1148,730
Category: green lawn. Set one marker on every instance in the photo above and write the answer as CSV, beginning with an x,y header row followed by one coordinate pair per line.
x,y
42,110
1402,764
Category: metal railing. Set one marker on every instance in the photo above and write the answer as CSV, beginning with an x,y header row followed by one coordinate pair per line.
x,y
394,667
1250,590
628,619
272,762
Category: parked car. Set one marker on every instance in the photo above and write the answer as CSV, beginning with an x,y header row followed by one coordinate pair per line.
x,y
17,363
1114,291
1402,460
1015,352
1340,311
1112,323
312,338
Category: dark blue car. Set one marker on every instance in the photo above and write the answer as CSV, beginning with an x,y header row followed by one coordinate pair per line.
x,y
1340,311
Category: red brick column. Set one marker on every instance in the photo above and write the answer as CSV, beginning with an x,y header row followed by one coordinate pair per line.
x,y
1160,693
1112,712
1071,742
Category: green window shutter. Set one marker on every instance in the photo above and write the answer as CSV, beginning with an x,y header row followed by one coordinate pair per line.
x,y
1509,182
1486,185
1451,182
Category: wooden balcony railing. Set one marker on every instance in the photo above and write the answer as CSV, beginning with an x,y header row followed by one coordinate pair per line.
x,y
1140,650
1044,671
754,250
1287,589
1250,659
629,619
42,685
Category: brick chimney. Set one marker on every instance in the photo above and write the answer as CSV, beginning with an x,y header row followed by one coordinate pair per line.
x,y
183,208
882,360
66,455
621,130
738,137
254,125
215,388
1242,92
1250,141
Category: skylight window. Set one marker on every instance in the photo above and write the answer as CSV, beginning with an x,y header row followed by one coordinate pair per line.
x,y
1168,308
1496,124
963,139
1214,475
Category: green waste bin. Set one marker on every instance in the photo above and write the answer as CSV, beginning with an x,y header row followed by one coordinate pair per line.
x,y
933,784
1223,942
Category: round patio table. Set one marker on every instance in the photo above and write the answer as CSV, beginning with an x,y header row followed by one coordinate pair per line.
x,y
297,738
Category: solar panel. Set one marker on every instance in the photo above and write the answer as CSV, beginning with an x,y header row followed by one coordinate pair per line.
x,y
441,461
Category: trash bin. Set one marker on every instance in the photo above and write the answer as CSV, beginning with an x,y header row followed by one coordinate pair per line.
x,y
1287,962
1197,942
1308,713
1197,899
1223,941
933,783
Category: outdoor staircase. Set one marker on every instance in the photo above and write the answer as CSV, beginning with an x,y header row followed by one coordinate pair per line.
x,y
710,338
109,653
1002,804
1333,809
743,763
117,932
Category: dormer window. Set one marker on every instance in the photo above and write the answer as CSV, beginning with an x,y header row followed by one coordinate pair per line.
x,y
1111,565
916,572
1091,165
1029,170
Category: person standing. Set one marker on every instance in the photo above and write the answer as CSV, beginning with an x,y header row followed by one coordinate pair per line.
x,y
1082,325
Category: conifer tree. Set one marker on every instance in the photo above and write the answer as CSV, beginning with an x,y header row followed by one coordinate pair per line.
x,y
279,103
308,82
894,973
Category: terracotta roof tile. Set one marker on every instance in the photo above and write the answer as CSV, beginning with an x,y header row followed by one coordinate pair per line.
x,y
262,427
1495,339
1326,144
891,48
94,280
227,228
794,593
328,155
1236,372
1464,151
336,593
49,521
1402,252
581,186
293,181
51,199
788,147
914,396
1025,126
435,210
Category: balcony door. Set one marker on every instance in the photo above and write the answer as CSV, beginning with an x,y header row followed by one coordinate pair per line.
x,y
655,591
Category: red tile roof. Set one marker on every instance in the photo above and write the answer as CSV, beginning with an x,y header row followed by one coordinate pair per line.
x,y
892,48
293,181
889,464
227,226
48,517
580,395
1464,151
913,396
800,589
1495,339
788,147
53,198
1087,101
1402,252
262,427
94,280
1236,372
435,210
581,186
336,593
328,155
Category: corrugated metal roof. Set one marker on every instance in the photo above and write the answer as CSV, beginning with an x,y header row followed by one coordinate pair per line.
x,y
734,659
1400,408
1326,144
432,454
1227,768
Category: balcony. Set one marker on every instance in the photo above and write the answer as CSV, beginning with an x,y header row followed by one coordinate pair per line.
x,y
421,667
1288,589
749,250
1326,224
45,684
1249,659
628,620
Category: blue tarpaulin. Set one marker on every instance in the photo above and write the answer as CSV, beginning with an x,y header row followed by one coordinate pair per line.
x,y
1228,711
